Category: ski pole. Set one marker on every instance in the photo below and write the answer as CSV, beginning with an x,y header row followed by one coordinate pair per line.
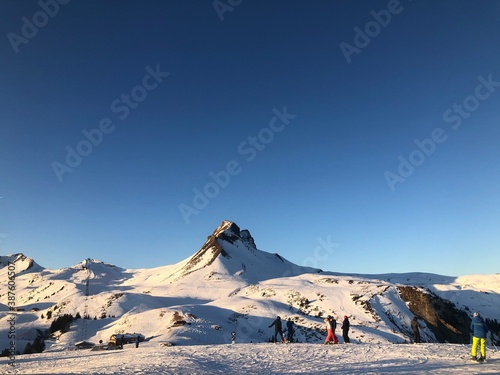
x,y
492,339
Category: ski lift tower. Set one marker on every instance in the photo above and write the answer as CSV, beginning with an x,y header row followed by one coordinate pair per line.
x,y
86,266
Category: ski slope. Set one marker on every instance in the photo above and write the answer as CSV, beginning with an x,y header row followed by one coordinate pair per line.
x,y
151,358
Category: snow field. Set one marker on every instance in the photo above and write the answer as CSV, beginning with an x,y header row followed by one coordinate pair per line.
x,y
150,358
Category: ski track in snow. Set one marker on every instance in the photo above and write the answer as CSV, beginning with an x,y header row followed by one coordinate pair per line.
x,y
262,358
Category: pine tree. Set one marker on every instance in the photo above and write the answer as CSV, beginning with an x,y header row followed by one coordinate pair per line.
x,y
27,349
61,323
38,345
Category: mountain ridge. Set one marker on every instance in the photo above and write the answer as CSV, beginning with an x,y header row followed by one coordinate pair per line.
x,y
231,285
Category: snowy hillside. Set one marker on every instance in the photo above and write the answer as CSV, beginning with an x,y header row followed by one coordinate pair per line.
x,y
230,285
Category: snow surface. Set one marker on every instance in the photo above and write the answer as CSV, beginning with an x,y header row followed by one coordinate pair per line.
x,y
151,358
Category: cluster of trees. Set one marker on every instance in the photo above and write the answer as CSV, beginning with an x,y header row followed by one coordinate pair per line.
x,y
37,347
78,316
6,353
61,323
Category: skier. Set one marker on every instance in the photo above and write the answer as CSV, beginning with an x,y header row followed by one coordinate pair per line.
x,y
330,328
290,330
479,331
137,341
345,329
277,329
334,327
416,333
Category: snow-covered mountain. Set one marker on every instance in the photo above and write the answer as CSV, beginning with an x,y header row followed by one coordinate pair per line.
x,y
230,285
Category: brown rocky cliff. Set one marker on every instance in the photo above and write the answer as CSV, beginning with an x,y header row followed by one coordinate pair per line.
x,y
447,323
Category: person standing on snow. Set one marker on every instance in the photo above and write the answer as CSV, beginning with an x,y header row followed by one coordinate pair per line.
x,y
290,330
416,333
277,328
119,341
345,329
333,322
479,331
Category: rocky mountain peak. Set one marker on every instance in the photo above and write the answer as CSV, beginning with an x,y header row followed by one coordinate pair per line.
x,y
247,239
227,228
20,261
230,232
228,243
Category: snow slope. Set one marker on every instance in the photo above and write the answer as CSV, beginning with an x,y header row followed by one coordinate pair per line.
x,y
151,358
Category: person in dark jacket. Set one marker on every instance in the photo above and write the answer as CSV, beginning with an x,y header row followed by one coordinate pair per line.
x,y
345,329
416,333
289,330
479,331
277,328
334,327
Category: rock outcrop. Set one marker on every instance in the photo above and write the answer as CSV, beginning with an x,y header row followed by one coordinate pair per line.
x,y
447,323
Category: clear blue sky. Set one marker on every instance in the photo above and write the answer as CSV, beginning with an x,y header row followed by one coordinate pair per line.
x,y
314,123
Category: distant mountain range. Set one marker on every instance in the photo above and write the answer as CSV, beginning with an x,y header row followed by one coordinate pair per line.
x,y
229,285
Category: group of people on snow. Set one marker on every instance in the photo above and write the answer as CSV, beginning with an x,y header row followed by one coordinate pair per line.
x,y
478,329
331,325
278,330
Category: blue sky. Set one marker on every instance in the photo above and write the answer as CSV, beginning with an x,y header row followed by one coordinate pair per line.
x,y
311,144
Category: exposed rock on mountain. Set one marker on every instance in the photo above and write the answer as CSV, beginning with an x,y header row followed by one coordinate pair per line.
x,y
448,323
232,252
